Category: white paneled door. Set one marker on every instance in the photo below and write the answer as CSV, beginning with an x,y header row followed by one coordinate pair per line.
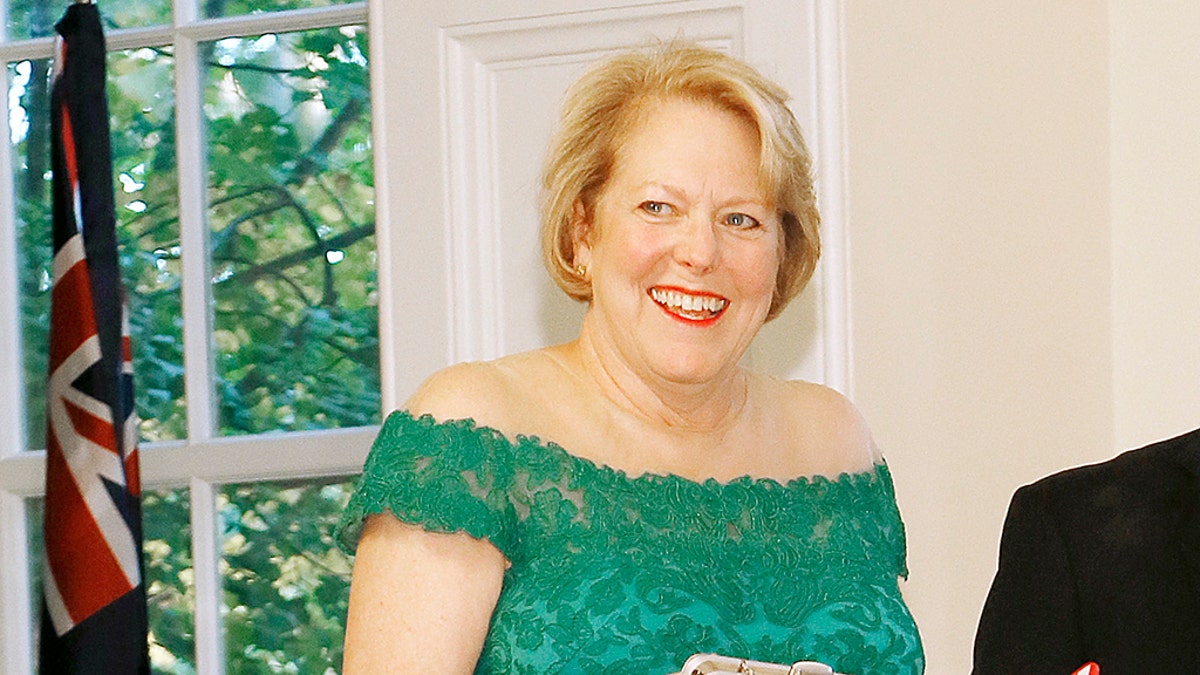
x,y
470,94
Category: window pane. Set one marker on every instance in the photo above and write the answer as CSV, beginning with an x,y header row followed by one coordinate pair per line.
x,y
143,132
286,584
29,135
291,214
170,578
34,512
170,587
218,8
36,18
142,109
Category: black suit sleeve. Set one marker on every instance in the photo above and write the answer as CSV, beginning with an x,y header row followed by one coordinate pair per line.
x,y
1030,622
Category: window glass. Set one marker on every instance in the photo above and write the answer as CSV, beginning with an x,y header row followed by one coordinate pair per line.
x,y
29,136
142,110
143,148
286,584
218,8
291,218
170,582
36,18
34,509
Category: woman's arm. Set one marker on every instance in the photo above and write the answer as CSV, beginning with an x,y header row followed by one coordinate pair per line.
x,y
420,601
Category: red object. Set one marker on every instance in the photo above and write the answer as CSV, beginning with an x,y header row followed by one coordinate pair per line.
x,y
1088,669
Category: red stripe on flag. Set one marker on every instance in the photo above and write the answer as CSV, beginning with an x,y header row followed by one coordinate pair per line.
x,y
86,573
95,429
133,473
71,319
68,141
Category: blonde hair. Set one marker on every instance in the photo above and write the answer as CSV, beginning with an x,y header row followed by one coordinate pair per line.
x,y
603,107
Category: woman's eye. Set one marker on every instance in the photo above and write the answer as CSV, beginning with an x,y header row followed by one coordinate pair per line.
x,y
740,220
656,208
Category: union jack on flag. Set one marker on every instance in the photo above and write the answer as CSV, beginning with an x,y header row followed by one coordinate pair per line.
x,y
94,602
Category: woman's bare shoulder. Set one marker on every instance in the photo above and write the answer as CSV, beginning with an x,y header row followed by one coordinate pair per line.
x,y
493,393
829,426
459,391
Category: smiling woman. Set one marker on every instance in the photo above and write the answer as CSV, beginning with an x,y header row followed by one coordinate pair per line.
x,y
621,501
604,107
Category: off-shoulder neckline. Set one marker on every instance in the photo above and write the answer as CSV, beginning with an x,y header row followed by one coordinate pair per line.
x,y
878,471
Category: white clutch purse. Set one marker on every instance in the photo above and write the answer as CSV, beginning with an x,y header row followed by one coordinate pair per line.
x,y
715,664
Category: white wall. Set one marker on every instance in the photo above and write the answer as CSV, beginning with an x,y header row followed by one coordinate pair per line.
x,y
1155,108
981,274
1025,259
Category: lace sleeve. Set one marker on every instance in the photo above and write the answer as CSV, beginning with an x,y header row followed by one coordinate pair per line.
x,y
892,526
445,477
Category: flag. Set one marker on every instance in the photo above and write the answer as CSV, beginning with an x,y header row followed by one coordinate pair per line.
x,y
93,599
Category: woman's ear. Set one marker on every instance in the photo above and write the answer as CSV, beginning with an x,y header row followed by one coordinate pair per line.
x,y
581,234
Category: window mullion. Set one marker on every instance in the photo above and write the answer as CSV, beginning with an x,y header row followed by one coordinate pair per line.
x,y
210,649
16,627
190,160
197,336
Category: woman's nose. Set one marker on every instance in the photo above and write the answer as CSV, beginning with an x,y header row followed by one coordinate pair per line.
x,y
697,247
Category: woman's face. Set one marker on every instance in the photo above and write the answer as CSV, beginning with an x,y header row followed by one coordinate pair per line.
x,y
683,246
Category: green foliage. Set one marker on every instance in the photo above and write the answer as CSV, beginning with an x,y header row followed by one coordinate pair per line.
x,y
141,106
170,583
292,233
29,84
289,621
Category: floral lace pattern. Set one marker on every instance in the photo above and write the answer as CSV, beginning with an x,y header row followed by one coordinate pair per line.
x,y
615,574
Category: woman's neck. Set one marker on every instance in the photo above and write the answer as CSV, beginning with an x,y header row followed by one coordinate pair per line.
x,y
712,406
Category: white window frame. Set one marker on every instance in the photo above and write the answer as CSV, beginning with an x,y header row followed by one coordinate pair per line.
x,y
203,462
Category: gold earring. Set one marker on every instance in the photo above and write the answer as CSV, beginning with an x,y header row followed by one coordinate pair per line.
x,y
581,270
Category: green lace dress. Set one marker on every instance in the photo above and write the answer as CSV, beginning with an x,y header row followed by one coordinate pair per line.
x,y
611,574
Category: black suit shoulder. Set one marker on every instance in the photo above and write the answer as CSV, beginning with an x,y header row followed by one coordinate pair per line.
x,y
1133,476
1098,563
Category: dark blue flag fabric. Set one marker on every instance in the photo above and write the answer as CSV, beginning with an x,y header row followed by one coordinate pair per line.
x,y
94,600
